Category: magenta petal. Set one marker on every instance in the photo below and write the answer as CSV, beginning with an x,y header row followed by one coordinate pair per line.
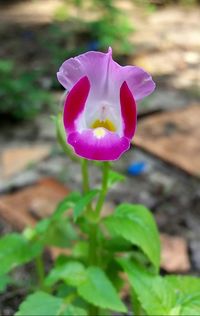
x,y
139,81
75,103
91,64
128,110
109,147
105,75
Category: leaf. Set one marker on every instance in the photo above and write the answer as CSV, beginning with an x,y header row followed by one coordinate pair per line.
x,y
187,290
43,304
117,244
41,227
114,177
184,285
55,231
6,66
4,281
16,250
60,233
136,224
72,272
80,250
98,290
83,202
154,292
66,204
72,310
40,303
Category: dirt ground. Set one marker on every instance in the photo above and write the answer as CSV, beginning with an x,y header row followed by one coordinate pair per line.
x,y
173,58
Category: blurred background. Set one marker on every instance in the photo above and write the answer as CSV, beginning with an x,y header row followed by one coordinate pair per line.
x,y
163,165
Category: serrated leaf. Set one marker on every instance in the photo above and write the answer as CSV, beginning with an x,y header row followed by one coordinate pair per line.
x,y
16,250
40,304
83,202
154,292
43,304
187,289
114,177
136,224
98,290
72,272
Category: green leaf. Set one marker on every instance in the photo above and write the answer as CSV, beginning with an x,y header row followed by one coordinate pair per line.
x,y
187,290
41,227
184,285
154,292
98,290
114,177
60,233
136,224
80,250
72,272
66,204
4,281
16,250
43,304
83,202
55,231
6,66
72,310
40,303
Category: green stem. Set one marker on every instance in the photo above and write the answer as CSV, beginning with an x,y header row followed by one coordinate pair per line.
x,y
93,229
84,169
40,271
104,189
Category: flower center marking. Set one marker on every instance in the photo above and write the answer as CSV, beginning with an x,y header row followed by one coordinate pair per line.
x,y
107,124
99,132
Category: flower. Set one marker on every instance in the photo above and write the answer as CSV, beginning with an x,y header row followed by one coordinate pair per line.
x,y
100,109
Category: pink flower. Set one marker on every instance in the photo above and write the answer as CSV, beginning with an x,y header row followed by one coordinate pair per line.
x,y
100,108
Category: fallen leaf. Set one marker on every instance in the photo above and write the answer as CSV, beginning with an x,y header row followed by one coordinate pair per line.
x,y
24,207
14,160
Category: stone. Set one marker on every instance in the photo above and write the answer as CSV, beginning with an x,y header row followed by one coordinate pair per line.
x,y
174,254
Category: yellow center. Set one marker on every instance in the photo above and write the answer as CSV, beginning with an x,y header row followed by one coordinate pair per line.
x,y
99,132
107,124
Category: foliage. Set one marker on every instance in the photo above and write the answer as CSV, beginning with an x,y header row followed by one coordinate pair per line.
x,y
171,295
41,303
20,94
110,28
88,279
130,218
